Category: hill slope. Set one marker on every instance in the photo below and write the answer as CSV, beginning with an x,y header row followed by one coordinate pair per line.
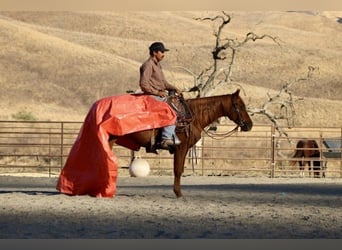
x,y
56,64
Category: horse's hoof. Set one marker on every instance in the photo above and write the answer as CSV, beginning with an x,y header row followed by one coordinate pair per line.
x,y
181,198
179,195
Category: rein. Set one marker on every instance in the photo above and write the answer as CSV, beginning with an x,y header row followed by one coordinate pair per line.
x,y
220,136
215,136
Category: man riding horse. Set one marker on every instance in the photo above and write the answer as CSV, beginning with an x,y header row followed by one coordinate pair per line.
x,y
134,121
153,82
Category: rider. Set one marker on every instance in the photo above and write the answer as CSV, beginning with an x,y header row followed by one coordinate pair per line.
x,y
153,82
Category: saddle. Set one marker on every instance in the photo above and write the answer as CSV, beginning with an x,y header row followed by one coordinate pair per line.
x,y
184,117
184,113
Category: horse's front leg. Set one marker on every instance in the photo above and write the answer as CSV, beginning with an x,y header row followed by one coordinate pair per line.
x,y
177,186
178,169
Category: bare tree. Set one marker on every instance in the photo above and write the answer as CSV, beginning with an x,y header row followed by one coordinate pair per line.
x,y
283,102
221,70
278,109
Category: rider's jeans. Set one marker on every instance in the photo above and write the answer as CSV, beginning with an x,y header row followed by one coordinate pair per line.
x,y
168,131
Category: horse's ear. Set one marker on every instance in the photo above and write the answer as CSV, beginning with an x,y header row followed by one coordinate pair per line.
x,y
236,93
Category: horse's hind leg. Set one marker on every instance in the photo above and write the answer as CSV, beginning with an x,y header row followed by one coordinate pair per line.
x,y
112,139
309,167
317,169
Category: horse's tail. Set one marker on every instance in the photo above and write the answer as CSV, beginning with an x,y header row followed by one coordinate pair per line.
x,y
315,144
316,152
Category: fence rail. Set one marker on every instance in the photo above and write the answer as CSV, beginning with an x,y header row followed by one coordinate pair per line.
x,y
41,148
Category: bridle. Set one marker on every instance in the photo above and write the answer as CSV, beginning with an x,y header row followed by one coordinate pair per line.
x,y
241,122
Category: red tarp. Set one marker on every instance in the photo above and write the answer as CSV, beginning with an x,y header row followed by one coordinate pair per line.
x,y
91,167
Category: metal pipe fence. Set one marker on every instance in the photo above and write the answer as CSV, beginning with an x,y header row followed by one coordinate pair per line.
x,y
41,149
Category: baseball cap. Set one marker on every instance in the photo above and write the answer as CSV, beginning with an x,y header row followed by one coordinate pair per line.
x,y
158,46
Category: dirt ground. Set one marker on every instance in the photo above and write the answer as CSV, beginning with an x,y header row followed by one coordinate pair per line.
x,y
146,208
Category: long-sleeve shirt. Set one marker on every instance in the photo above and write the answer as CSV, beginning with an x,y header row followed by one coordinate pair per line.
x,y
152,79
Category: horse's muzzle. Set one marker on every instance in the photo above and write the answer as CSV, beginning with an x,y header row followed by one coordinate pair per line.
x,y
247,126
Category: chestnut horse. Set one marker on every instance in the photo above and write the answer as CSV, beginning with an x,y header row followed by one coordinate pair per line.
x,y
306,149
205,110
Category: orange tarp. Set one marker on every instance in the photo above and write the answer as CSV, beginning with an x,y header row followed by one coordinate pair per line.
x,y
91,166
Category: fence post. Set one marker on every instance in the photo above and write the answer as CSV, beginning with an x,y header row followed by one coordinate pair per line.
x,y
62,141
202,161
321,162
50,155
272,151
341,154
132,156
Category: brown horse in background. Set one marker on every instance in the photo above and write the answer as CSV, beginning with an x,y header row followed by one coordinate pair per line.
x,y
305,150
205,110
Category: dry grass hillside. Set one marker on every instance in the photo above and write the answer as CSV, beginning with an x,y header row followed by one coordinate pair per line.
x,y
54,65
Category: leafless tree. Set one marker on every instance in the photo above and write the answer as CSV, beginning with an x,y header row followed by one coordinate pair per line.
x,y
283,102
221,70
278,109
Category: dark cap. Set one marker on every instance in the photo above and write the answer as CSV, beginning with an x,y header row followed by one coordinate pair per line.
x,y
158,46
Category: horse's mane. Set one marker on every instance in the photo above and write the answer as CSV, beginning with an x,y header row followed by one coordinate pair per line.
x,y
208,101
207,98
209,108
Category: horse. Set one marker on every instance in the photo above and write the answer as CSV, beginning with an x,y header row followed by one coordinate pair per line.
x,y
205,110
306,149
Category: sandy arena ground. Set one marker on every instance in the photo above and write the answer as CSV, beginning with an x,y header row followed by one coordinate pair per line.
x,y
145,207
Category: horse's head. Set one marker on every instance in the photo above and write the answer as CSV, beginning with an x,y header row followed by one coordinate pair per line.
x,y
237,112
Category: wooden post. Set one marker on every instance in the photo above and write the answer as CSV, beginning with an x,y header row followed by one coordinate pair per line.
x,y
341,154
62,143
273,151
132,156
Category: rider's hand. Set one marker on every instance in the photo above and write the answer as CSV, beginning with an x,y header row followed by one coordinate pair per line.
x,y
162,93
